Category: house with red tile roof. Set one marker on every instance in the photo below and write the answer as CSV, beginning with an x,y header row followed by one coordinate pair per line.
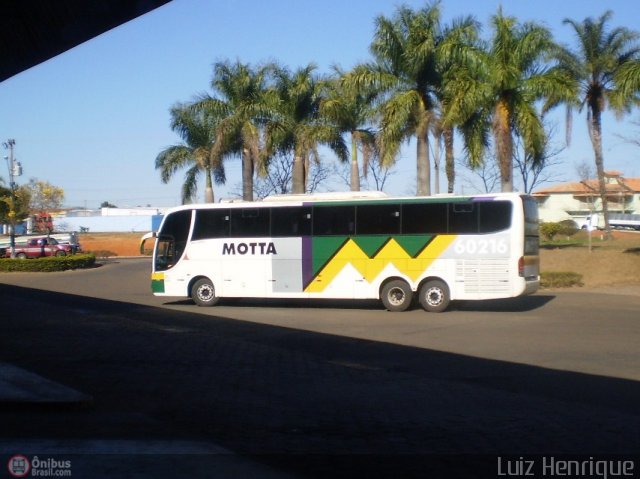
x,y
578,200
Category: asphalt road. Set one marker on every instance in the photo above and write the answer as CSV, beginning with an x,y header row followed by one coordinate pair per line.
x,y
326,389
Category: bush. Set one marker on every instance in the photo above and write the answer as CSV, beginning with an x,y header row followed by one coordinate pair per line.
x,y
550,230
48,264
568,228
561,279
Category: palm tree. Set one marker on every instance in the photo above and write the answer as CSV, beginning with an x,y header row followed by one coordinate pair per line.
x,y
405,75
459,57
240,107
605,64
351,112
516,76
197,152
298,126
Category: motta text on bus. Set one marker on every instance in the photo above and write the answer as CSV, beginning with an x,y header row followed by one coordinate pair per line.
x,y
249,248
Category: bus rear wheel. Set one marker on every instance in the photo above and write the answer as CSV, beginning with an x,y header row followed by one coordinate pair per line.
x,y
434,296
203,293
396,295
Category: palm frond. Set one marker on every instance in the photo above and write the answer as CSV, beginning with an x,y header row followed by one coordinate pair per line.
x,y
171,159
190,185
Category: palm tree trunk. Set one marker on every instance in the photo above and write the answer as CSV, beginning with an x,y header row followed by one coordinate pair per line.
x,y
504,145
208,191
436,166
423,173
449,160
297,186
247,175
355,172
596,139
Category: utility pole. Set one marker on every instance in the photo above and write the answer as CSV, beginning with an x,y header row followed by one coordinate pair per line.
x,y
15,169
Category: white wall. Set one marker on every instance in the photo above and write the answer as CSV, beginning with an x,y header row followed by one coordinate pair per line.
x,y
105,224
131,211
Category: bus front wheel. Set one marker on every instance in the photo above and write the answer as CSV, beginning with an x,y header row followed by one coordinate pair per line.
x,y
396,295
434,296
203,293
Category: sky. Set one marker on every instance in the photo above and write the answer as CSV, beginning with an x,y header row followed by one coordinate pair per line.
x,y
93,119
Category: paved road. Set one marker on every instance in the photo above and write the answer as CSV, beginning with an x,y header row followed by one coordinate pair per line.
x,y
549,374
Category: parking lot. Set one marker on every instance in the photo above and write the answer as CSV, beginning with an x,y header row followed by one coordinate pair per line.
x,y
290,383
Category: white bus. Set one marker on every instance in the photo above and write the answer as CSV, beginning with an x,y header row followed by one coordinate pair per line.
x,y
439,248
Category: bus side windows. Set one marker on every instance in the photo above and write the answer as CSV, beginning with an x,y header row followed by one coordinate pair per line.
x,y
463,218
495,216
334,220
340,220
250,222
381,219
211,224
421,218
291,221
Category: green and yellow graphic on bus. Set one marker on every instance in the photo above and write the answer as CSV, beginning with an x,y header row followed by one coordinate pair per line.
x,y
369,255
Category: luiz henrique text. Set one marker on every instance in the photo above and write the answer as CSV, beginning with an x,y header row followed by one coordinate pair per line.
x,y
552,466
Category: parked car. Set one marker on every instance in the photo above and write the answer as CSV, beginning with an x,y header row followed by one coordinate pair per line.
x,y
38,247
70,238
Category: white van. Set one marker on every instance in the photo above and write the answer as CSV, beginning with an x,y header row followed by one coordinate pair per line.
x,y
591,223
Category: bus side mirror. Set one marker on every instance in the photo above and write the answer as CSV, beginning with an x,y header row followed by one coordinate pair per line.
x,y
144,239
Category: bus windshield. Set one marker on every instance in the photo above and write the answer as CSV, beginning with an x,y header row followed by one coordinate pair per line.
x,y
172,240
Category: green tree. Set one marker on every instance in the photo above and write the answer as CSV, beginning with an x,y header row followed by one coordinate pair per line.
x,y
21,201
240,106
405,76
605,63
43,196
459,59
298,127
516,76
197,153
351,111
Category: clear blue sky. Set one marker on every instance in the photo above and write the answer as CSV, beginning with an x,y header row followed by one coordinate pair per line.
x,y
93,119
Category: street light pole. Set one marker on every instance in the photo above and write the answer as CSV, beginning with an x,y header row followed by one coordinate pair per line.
x,y
9,144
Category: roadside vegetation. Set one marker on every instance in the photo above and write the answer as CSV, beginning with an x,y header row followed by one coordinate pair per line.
x,y
560,279
48,264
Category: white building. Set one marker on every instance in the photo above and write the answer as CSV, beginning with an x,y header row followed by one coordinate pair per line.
x,y
576,201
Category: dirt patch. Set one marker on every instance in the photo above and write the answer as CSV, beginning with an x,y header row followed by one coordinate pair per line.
x,y
120,244
609,263
598,267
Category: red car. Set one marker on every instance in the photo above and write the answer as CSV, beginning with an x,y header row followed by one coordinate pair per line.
x,y
38,247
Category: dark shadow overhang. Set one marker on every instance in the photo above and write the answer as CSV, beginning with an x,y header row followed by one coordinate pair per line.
x,y
33,31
